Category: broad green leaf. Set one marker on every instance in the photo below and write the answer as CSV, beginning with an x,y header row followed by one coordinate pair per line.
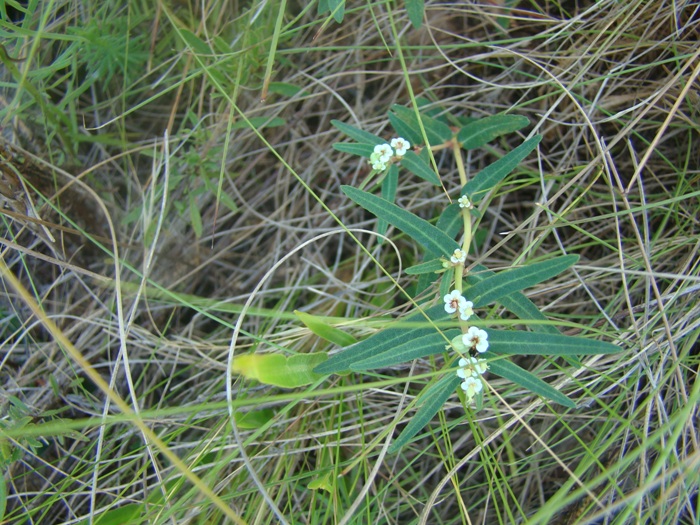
x,y
483,131
279,370
432,400
195,43
416,348
357,134
419,167
510,281
522,377
325,482
519,342
254,418
427,267
260,123
494,173
396,334
285,89
421,231
129,514
437,132
337,9
405,130
324,330
415,12
363,150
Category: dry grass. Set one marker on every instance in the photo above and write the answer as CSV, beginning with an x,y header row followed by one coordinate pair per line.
x,y
613,88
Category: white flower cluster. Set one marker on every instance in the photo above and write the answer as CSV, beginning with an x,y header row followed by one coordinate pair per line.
x,y
470,369
383,153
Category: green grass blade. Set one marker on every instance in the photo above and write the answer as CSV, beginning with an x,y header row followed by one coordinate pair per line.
x,y
416,348
424,233
519,376
491,175
518,342
419,167
482,131
510,281
432,400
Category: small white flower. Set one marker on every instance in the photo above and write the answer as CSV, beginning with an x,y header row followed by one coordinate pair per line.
x,y
464,202
471,386
458,257
472,367
466,310
384,151
400,145
476,338
377,162
454,301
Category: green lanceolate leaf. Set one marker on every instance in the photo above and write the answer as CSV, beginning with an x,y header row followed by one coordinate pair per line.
x,y
515,303
357,134
518,342
389,186
324,330
431,401
419,167
427,267
482,131
415,12
416,348
519,376
363,150
508,282
421,231
491,175
396,334
437,132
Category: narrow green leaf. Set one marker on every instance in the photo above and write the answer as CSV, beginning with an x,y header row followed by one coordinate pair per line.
x,y
432,400
195,218
483,131
405,130
427,267
324,330
415,12
494,173
416,348
510,281
358,134
419,167
418,229
389,187
363,150
515,303
450,221
437,132
260,123
518,342
396,334
522,377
